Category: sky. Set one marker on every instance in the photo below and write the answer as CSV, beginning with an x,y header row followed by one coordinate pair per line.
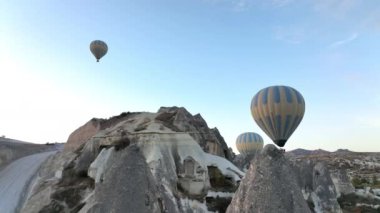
x,y
209,56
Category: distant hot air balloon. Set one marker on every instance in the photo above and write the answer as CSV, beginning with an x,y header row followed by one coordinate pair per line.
x,y
278,110
98,49
249,143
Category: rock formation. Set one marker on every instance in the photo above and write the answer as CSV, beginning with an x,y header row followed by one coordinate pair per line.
x,y
82,134
134,190
141,162
177,119
269,186
326,179
317,186
85,132
342,181
171,161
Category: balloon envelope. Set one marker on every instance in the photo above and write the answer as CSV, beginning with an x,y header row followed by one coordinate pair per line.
x,y
98,49
278,110
249,142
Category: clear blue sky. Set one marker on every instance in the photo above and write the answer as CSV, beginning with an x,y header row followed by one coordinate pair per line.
x,y
210,56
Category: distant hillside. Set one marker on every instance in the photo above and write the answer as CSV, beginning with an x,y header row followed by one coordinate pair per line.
x,y
356,176
362,164
9,140
300,152
11,149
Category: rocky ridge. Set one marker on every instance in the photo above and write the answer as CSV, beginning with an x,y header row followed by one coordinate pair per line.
x,y
168,161
177,119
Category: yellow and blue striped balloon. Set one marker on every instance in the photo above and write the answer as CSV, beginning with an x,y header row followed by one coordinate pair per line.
x,y
249,142
278,110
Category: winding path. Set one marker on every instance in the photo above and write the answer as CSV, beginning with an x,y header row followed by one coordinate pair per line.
x,y
15,177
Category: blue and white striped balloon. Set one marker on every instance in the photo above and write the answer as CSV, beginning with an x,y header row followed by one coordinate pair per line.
x,y
278,110
249,142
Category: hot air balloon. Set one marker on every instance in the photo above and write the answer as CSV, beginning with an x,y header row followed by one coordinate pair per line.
x,y
249,143
278,110
98,49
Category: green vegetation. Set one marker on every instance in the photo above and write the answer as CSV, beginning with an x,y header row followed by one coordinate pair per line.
x,y
375,182
348,203
362,182
359,183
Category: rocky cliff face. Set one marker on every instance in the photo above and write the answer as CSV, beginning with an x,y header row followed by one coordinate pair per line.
x,y
317,186
269,186
145,162
82,134
177,119
89,129
340,181
181,120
